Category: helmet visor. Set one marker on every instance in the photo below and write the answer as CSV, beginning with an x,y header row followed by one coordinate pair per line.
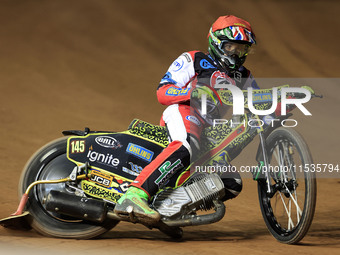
x,y
231,48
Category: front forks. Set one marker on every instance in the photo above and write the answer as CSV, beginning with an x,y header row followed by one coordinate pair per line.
x,y
265,163
263,173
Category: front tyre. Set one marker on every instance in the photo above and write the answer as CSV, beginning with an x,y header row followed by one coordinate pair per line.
x,y
50,162
288,212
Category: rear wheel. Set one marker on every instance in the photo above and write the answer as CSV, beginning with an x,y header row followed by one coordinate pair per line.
x,y
50,162
288,211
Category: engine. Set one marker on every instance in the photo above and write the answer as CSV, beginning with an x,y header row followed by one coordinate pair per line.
x,y
197,194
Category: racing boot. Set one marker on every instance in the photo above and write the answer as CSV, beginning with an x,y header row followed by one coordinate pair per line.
x,y
135,201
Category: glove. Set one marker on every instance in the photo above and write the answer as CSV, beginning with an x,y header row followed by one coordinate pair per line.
x,y
211,101
197,93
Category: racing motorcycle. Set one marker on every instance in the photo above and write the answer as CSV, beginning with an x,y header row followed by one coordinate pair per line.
x,y
69,187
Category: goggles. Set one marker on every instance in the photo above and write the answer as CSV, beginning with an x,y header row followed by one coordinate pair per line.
x,y
231,48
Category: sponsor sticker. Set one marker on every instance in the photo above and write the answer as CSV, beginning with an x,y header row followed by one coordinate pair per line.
x,y
101,178
99,192
177,65
166,169
105,159
108,142
187,56
139,152
238,76
262,98
193,119
134,169
206,65
177,92
218,77
268,119
167,78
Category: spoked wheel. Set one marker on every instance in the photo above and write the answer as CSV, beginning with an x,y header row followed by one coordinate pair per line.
x,y
289,209
51,163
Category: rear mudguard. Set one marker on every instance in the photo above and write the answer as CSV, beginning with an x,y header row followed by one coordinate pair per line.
x,y
116,158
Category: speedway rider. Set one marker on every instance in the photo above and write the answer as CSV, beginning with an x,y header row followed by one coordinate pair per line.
x,y
230,39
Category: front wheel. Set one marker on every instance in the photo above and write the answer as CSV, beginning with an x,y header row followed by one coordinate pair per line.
x,y
51,163
289,209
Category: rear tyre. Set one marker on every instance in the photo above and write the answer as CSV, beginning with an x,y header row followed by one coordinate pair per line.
x,y
289,211
50,162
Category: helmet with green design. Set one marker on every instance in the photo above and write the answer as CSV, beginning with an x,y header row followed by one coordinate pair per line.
x,y
230,39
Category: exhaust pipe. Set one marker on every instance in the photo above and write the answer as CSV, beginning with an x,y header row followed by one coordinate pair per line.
x,y
75,206
97,210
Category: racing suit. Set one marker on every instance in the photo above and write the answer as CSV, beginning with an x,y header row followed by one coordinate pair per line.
x,y
184,125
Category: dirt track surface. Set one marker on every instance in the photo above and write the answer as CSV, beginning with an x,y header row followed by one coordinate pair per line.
x,y
70,64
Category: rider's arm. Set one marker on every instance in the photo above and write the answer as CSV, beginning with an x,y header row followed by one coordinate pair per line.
x,y
173,88
252,83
